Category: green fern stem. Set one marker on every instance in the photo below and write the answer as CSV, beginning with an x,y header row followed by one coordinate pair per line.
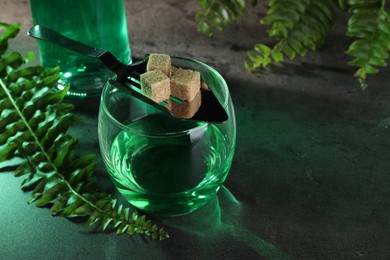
x,y
108,213
41,148
217,14
297,25
34,122
370,24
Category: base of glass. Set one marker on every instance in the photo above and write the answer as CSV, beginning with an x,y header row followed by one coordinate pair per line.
x,y
84,86
168,205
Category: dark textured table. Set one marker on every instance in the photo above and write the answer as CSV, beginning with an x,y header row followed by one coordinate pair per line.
x,y
310,177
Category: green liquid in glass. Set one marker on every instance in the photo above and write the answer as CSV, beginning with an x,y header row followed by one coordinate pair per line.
x,y
169,176
98,23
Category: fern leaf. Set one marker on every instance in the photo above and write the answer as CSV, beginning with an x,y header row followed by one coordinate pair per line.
x,y
217,14
34,124
10,31
370,24
297,25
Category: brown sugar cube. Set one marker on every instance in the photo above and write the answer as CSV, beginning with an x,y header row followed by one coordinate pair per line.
x,y
185,84
186,109
204,85
161,62
173,70
155,85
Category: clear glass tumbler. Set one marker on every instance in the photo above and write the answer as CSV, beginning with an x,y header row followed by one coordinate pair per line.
x,y
162,165
98,23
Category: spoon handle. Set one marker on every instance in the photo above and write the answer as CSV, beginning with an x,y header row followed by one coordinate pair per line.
x,y
45,33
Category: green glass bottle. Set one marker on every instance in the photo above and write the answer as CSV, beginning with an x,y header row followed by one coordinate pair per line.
x,y
98,23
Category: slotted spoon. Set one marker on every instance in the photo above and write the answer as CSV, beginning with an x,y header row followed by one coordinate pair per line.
x,y
128,76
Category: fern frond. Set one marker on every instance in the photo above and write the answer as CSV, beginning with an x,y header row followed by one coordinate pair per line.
x,y
217,14
34,124
297,25
370,24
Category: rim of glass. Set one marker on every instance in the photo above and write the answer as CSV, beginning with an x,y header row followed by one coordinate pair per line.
x,y
107,86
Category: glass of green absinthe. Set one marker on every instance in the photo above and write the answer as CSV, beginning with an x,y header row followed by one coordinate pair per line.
x,y
162,165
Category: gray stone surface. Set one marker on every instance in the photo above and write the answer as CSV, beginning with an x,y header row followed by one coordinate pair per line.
x,y
310,177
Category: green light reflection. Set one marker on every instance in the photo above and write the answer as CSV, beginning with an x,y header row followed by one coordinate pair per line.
x,y
221,222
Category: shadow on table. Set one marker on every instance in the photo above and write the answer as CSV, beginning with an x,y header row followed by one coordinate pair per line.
x,y
305,69
313,170
310,172
218,230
